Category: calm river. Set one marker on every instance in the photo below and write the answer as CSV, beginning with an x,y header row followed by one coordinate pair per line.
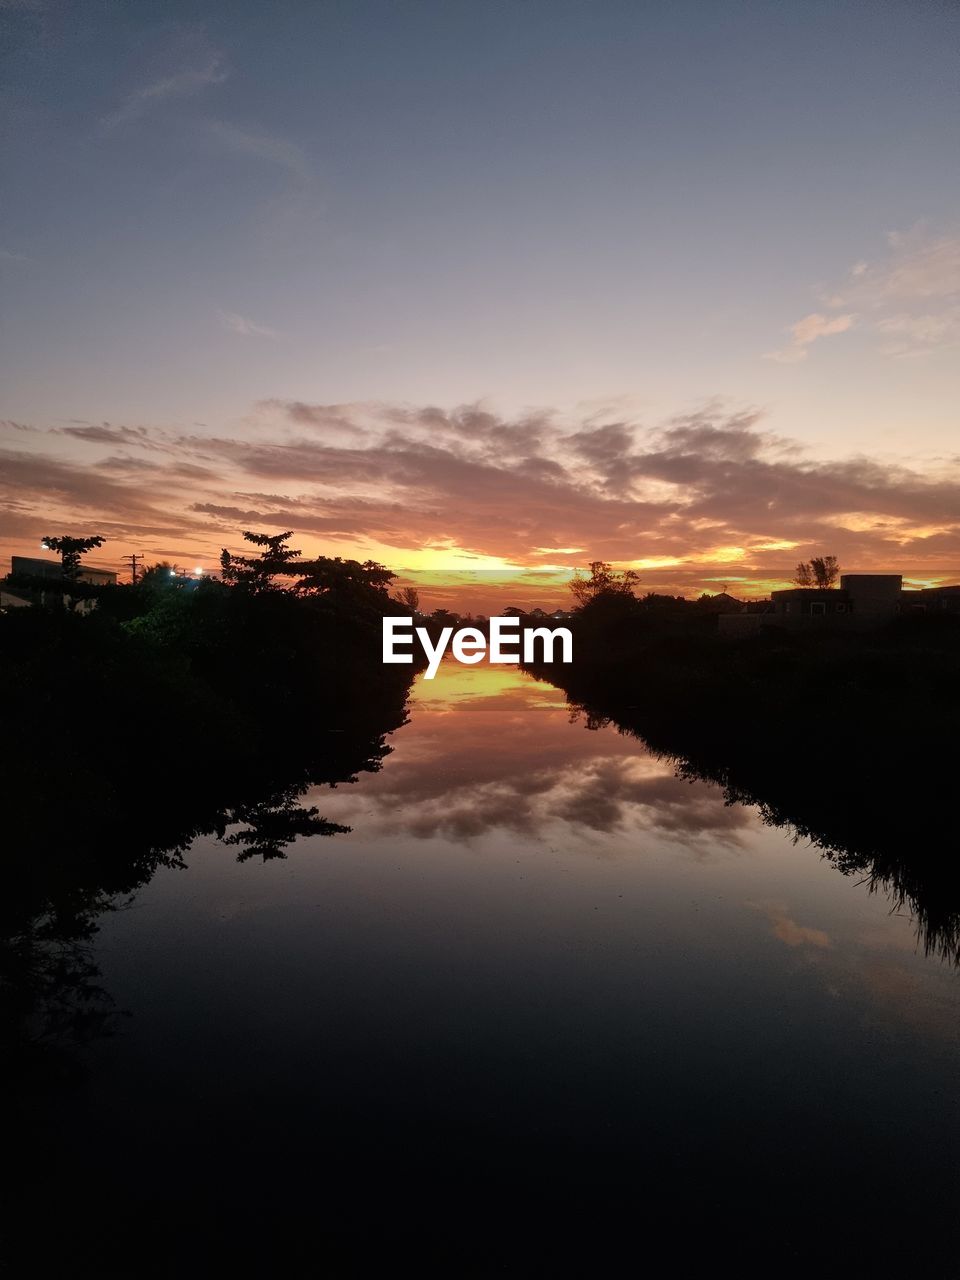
x,y
542,981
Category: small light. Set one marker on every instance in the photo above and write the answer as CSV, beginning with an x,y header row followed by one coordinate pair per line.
x,y
198,569
173,573
45,546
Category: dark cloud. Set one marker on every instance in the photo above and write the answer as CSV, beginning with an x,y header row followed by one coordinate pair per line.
x,y
105,433
126,465
78,498
732,439
330,417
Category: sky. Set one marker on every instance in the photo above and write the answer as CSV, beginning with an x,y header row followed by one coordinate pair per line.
x,y
485,291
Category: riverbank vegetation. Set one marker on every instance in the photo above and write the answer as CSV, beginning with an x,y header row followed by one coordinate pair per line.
x,y
849,737
175,707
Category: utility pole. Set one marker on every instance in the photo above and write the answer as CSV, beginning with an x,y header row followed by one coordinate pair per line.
x,y
133,558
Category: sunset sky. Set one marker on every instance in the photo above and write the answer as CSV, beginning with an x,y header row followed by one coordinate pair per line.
x,y
486,290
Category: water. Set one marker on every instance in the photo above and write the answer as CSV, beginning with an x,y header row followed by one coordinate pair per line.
x,y
541,981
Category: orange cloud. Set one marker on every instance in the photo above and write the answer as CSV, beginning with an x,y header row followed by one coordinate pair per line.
x,y
807,331
788,931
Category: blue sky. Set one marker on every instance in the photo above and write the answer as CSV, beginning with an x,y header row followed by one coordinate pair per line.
x,y
588,208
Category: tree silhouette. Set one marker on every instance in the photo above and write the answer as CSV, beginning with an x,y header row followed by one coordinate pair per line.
x,y
821,571
603,581
331,580
409,597
826,570
256,573
71,549
344,581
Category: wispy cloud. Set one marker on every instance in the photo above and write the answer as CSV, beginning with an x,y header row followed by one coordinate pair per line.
x,y
7,256
245,327
917,268
807,331
325,417
908,299
910,335
182,83
262,146
912,294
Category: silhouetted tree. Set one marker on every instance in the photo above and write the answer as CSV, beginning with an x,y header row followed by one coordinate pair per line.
x,y
826,570
804,575
603,580
71,549
154,572
256,573
344,580
409,597
161,576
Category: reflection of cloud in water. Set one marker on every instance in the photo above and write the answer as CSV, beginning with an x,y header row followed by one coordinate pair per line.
x,y
503,757
873,971
789,931
899,995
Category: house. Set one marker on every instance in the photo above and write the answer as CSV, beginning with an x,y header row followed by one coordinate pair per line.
x,y
33,568
873,597
932,600
797,605
723,602
862,600
54,569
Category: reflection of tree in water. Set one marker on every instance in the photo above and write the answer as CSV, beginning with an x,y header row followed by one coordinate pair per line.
x,y
923,881
859,829
269,828
50,996
49,993
231,698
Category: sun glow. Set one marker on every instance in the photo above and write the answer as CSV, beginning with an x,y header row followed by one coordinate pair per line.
x,y
654,562
722,555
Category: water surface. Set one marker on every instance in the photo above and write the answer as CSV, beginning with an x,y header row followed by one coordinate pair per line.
x,y
541,977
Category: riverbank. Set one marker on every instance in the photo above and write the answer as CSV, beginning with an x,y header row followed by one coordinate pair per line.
x,y
172,710
848,739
